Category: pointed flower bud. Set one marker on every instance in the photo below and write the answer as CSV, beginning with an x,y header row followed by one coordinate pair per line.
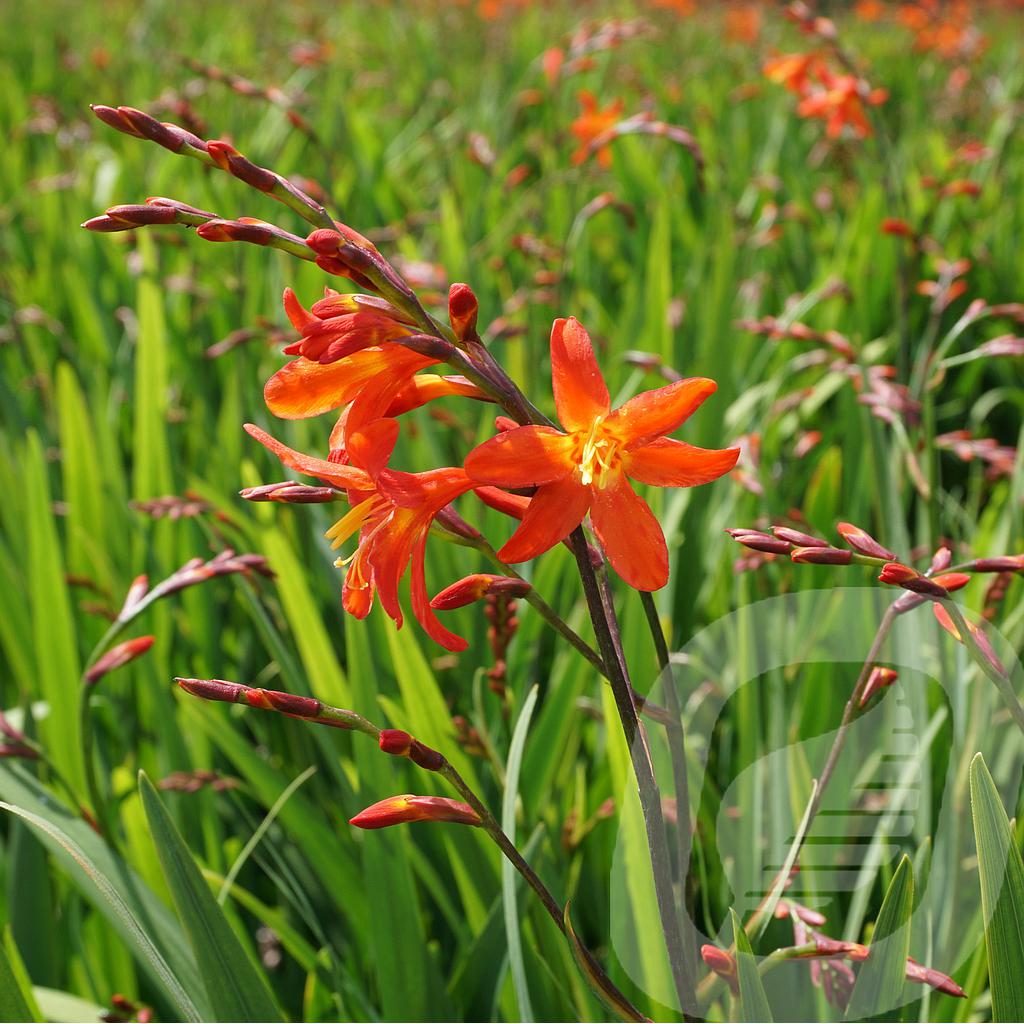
x,y
118,656
1002,563
936,979
722,963
863,542
949,581
879,679
399,743
822,556
462,310
898,575
802,540
476,587
758,541
290,492
396,810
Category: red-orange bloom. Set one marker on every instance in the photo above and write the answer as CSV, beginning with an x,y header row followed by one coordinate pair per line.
x,y
840,104
587,467
592,125
391,513
793,70
396,810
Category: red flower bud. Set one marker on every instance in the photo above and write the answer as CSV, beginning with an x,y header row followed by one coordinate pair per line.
x,y
802,540
863,542
722,964
476,588
894,226
929,976
879,679
1002,563
822,556
898,575
396,810
118,656
758,541
395,741
290,492
212,689
462,310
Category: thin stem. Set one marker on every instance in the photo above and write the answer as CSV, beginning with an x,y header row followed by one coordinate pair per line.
x,y
676,737
602,612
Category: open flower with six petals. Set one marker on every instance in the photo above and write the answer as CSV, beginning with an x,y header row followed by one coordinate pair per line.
x,y
587,468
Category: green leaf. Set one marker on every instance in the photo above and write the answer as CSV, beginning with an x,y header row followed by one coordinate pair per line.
x,y
237,991
753,1001
879,986
1001,874
100,888
508,872
16,1000
65,1008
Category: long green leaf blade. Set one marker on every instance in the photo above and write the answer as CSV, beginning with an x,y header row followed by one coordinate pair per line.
x,y
754,1004
237,991
879,986
1001,874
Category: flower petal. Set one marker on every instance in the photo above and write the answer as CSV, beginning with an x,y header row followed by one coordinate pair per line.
x,y
630,535
303,388
523,457
340,476
554,512
428,386
371,447
655,413
429,492
668,463
581,395
421,604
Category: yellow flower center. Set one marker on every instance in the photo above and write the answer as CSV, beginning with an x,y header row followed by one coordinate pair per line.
x,y
598,454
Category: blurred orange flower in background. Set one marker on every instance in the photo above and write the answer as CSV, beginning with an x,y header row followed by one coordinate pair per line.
x,y
592,124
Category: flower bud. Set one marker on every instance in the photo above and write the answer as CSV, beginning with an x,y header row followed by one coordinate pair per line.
x,y
290,492
879,679
462,310
1002,563
722,963
898,575
984,644
863,542
396,810
758,541
399,743
212,689
476,588
822,556
118,656
803,540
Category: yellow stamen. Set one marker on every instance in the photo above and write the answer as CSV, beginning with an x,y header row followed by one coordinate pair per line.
x,y
350,522
597,455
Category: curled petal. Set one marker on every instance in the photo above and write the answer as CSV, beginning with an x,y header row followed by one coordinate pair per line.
x,y
332,472
428,386
553,513
421,604
581,395
303,388
668,463
630,535
371,447
524,457
653,414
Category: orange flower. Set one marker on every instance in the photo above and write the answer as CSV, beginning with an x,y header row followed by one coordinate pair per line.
x,y
594,124
870,10
841,103
793,70
397,810
743,24
391,512
587,468
339,325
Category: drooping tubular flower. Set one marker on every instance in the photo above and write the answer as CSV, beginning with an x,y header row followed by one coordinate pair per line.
x,y
391,512
587,468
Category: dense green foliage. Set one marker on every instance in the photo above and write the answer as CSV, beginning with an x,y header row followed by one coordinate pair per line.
x,y
109,397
